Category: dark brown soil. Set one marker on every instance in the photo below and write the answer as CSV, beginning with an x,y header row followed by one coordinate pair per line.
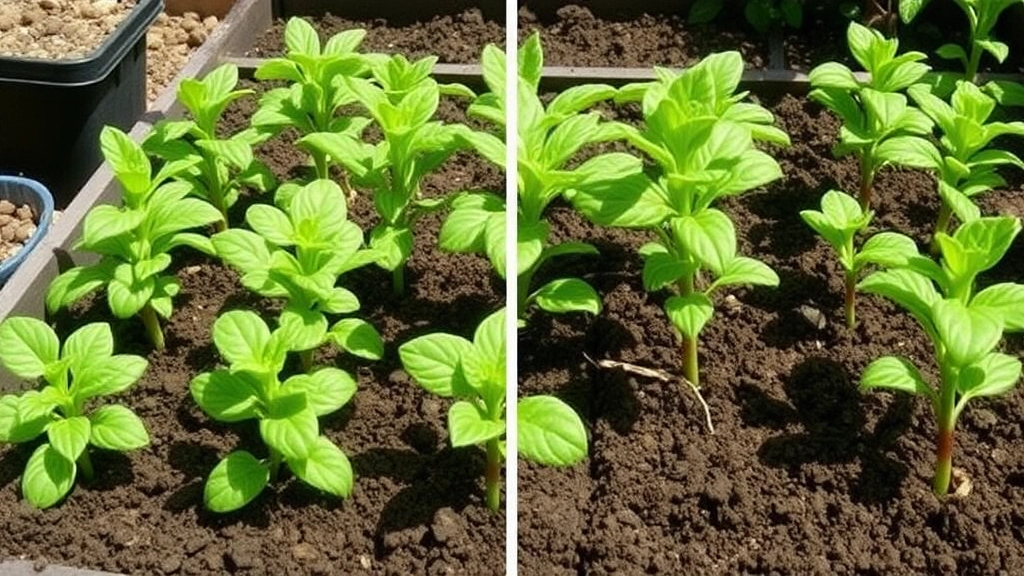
x,y
453,38
805,474
417,506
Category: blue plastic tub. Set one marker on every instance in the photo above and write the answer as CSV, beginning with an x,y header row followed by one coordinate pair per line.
x,y
23,191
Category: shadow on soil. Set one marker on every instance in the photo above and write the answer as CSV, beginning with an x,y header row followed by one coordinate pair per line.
x,y
826,405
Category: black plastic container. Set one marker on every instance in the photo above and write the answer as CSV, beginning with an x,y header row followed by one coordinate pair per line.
x,y
51,111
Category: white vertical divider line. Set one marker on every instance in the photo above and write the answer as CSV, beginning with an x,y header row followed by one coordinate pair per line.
x,y
511,309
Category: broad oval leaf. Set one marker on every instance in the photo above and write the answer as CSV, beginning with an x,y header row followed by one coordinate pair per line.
x,y
431,360
550,432
69,436
895,373
357,337
468,425
290,427
235,482
116,427
326,390
27,345
241,337
227,396
690,313
968,334
994,375
568,295
326,468
48,477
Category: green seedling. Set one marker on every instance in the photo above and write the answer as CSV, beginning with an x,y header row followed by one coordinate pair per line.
x,y
839,221
879,127
65,410
701,137
223,165
299,255
964,325
135,241
763,15
476,221
982,16
967,164
402,99
250,388
311,101
550,432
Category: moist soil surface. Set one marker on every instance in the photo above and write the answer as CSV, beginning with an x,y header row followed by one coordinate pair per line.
x,y
417,506
454,38
576,34
804,474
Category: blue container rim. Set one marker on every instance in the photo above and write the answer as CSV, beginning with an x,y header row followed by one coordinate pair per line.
x,y
41,192
88,69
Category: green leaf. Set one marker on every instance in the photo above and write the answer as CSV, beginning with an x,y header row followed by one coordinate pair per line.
x,y
394,245
48,477
909,9
895,373
69,436
431,360
27,345
998,50
326,468
326,390
746,271
291,426
19,422
888,249
300,38
271,223
568,295
662,269
1005,300
109,376
235,482
227,396
301,328
994,375
126,158
690,313
550,432
968,334
241,337
911,290
909,151
468,425
116,427
89,344
709,236
357,337
703,11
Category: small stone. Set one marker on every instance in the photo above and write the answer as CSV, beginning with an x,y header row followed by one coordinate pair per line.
x,y
210,22
48,4
447,526
30,17
305,552
365,561
813,316
193,16
52,25
196,38
7,232
7,22
7,207
154,41
170,565
25,231
24,213
5,219
190,25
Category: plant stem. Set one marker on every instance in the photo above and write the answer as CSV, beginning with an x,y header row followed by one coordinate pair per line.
x,y
398,280
941,225
85,465
867,178
691,367
320,163
946,418
306,359
152,325
850,301
492,476
972,65
275,464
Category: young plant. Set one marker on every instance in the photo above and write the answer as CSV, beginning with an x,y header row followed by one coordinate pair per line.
x,y
84,369
135,241
701,137
550,432
476,221
311,101
402,99
223,165
763,15
250,388
839,221
967,164
982,16
879,127
964,325
298,255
